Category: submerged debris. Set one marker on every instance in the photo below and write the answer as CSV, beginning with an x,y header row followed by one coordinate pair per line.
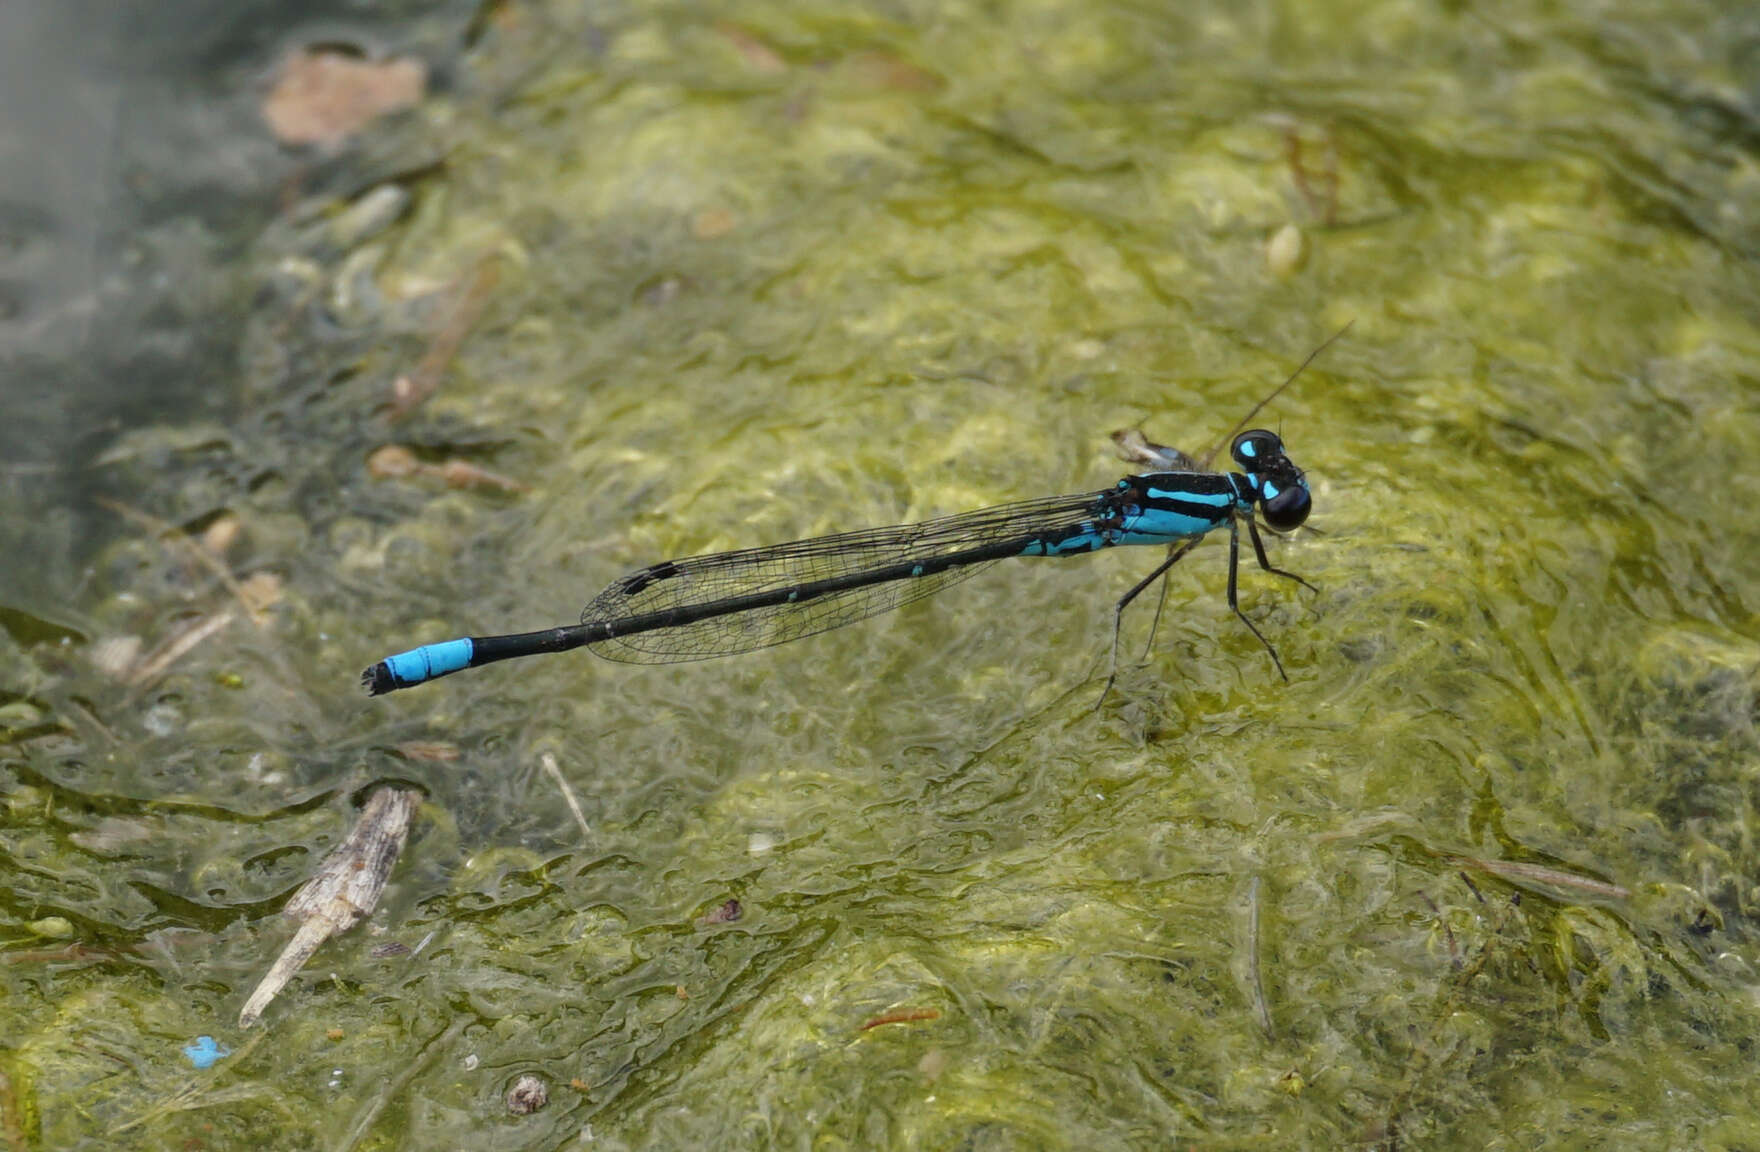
x,y
395,462
1255,973
412,389
551,769
757,54
346,888
254,595
1541,874
725,913
205,1052
177,645
527,1095
430,751
1322,201
1285,252
903,1016
324,96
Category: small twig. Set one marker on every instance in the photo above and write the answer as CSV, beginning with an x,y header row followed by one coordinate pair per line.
x,y
903,1016
91,719
549,763
200,1093
1260,1006
11,1122
412,389
363,1120
1324,206
396,461
68,954
1454,952
175,647
346,888
167,531
1541,874
1425,1054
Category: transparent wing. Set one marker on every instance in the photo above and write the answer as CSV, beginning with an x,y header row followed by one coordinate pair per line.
x,y
727,575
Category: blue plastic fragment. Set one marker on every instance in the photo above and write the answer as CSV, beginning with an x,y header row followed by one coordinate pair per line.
x,y
204,1053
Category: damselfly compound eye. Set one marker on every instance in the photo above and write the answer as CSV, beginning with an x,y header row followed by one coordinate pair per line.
x,y
1254,451
1288,508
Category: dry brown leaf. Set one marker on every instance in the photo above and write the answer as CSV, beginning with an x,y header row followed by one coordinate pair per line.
x,y
713,223
885,72
757,54
323,96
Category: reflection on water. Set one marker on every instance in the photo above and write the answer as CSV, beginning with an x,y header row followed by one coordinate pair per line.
x,y
632,284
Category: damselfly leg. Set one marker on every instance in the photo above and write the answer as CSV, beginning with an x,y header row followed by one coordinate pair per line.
x,y
1174,552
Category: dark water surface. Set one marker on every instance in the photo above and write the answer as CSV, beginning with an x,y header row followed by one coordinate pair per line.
x,y
1483,873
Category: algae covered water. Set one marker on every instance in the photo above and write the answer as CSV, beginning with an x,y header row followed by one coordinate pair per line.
x,y
642,281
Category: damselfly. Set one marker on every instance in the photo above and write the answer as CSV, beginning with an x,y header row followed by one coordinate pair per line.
x,y
733,602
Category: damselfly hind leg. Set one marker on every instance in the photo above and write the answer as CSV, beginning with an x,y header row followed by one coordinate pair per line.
x,y
1137,448
1160,607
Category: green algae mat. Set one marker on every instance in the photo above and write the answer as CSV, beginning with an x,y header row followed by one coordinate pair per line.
x,y
641,281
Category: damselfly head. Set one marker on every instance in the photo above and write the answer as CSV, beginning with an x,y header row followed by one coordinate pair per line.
x,y
1284,500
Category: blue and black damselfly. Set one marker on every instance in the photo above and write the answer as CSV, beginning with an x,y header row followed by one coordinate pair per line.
x,y
733,602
